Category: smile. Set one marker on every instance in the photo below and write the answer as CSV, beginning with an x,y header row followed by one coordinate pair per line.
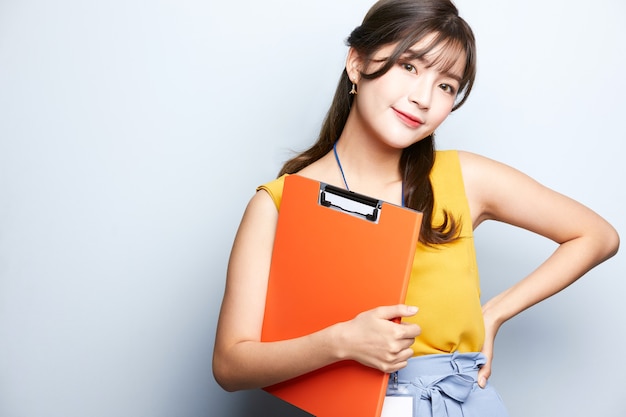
x,y
408,119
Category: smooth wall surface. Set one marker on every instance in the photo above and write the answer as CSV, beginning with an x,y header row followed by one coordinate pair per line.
x,y
132,134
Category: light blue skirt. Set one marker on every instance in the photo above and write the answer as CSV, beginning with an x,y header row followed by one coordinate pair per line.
x,y
445,386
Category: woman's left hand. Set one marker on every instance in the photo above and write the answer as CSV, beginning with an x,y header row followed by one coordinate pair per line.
x,y
491,329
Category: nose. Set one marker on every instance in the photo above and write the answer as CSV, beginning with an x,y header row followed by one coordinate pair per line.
x,y
421,92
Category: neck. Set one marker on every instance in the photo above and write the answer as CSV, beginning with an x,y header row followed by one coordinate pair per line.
x,y
369,172
367,160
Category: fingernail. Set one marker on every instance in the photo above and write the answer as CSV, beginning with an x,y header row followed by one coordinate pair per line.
x,y
482,382
412,309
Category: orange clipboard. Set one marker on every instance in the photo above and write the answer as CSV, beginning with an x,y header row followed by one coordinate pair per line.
x,y
336,254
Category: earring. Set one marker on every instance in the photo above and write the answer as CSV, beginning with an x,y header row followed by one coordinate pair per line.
x,y
353,91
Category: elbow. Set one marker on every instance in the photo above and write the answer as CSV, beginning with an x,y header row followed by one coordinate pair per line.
x,y
608,243
230,372
224,383
612,243
222,376
221,379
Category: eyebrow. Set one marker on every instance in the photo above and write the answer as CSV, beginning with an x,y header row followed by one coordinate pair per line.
x,y
453,75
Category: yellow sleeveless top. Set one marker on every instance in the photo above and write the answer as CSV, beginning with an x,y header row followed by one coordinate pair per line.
x,y
444,281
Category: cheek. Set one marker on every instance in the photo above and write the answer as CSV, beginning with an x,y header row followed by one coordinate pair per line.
x,y
443,110
438,119
371,101
381,89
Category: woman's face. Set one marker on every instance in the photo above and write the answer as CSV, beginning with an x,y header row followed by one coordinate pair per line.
x,y
412,99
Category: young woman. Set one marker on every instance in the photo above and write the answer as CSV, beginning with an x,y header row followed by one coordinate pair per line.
x,y
409,64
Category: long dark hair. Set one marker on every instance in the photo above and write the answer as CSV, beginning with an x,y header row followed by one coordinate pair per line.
x,y
403,22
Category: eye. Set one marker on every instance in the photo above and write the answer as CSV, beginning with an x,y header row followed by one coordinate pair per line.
x,y
448,88
409,67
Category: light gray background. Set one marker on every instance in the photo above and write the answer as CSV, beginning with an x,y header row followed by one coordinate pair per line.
x,y
132,134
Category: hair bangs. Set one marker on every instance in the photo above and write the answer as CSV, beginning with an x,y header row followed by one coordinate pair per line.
x,y
446,53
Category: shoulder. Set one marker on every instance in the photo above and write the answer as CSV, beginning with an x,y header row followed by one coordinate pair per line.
x,y
258,221
274,189
470,159
493,188
479,170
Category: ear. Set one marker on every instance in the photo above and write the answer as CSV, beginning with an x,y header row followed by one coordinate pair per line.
x,y
353,65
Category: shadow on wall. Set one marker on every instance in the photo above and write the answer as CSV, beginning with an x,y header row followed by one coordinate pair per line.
x,y
258,403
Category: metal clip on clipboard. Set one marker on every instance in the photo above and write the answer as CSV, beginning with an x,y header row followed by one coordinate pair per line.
x,y
358,205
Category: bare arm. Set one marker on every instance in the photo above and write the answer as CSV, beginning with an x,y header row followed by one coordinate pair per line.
x,y
242,361
498,192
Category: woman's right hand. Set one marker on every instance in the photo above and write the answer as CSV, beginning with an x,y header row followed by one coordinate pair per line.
x,y
374,340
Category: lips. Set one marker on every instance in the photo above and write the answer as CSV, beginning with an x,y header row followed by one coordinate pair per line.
x,y
408,119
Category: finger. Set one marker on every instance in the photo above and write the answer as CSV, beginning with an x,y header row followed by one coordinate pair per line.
x,y
399,361
395,311
485,371
400,345
483,375
411,331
